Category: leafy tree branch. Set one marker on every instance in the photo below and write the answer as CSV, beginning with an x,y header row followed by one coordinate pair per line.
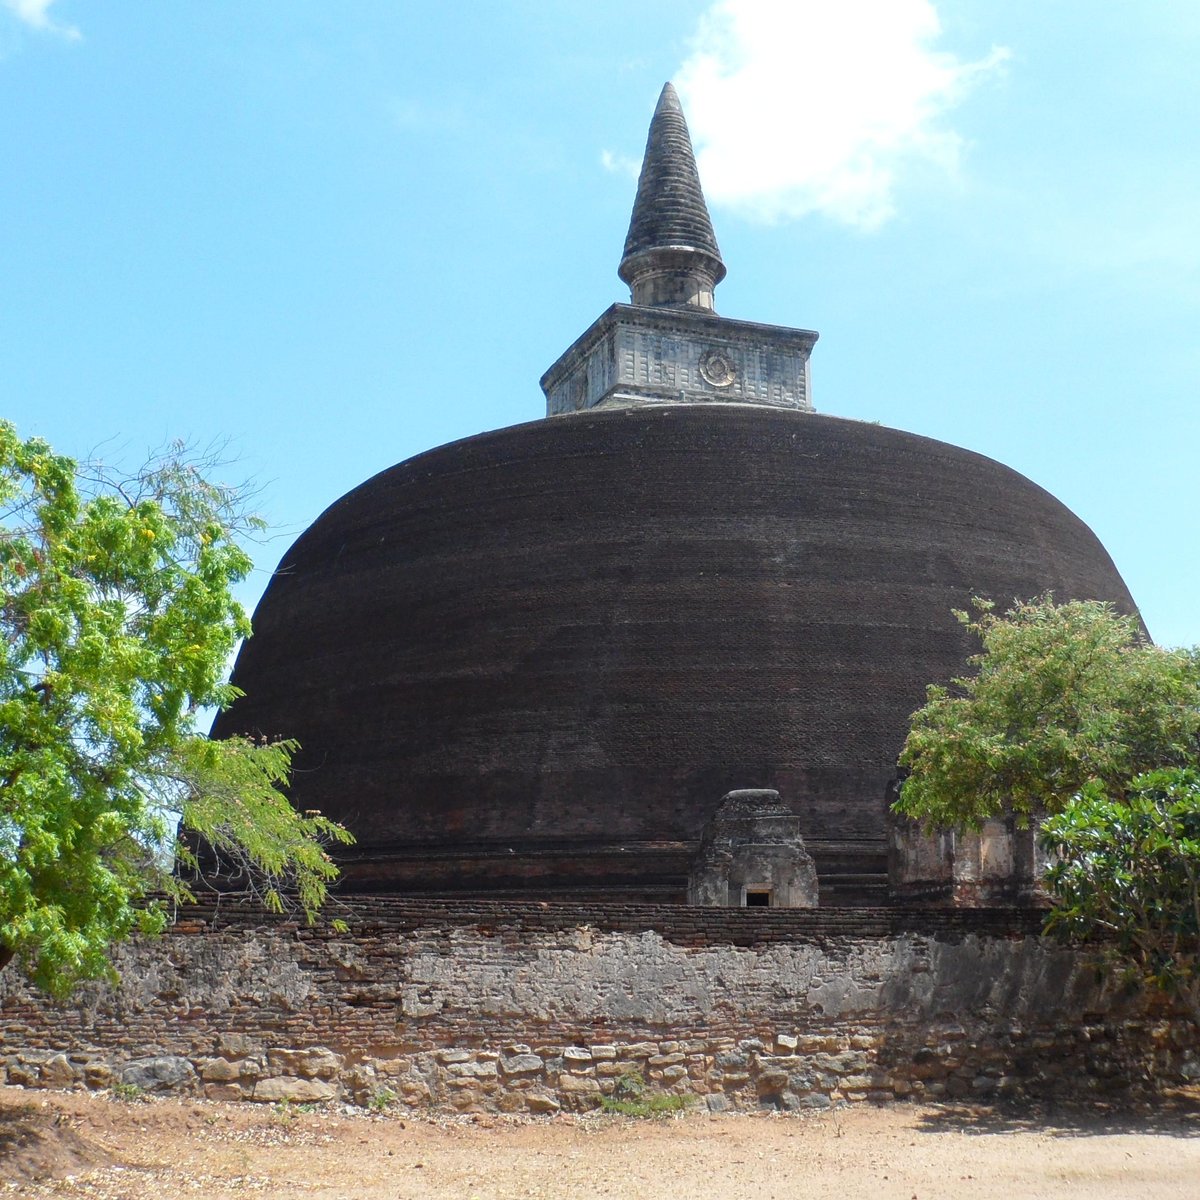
x,y
1071,718
117,620
1126,877
1060,695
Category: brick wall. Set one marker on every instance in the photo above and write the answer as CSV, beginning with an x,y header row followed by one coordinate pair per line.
x,y
531,1007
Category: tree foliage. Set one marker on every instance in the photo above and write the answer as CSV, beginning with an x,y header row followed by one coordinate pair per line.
x,y
117,623
1060,696
1071,716
1126,872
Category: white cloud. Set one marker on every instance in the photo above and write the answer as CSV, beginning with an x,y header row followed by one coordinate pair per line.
x,y
620,164
801,106
36,14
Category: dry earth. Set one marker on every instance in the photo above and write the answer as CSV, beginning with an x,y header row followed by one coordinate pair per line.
x,y
76,1145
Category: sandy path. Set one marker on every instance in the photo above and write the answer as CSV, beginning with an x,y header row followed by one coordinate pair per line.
x,y
194,1149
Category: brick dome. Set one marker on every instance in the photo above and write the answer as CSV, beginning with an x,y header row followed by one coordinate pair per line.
x,y
533,662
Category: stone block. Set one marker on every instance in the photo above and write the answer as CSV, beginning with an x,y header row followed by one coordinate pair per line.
x,y
521,1064
541,1102
473,1070
819,1044
414,1091
313,1062
846,1063
232,1045
857,1083
300,1091
578,1085
98,1075
780,1062
786,1043
732,1059
159,1073
604,1053
510,1101
578,1091
253,1068
219,1070
468,1083
636,1050
361,1083
23,1074
468,1099
58,1071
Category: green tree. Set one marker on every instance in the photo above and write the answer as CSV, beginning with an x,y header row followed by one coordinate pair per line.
x,y
1126,874
117,623
1069,715
1060,696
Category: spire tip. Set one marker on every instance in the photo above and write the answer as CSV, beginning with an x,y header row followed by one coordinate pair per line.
x,y
671,255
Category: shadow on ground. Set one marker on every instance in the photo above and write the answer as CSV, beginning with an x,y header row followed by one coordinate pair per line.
x,y
1175,1114
37,1142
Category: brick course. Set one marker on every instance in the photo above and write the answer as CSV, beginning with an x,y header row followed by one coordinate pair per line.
x,y
530,1007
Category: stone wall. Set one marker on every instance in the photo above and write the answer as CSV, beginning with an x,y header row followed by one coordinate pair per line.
x,y
528,1007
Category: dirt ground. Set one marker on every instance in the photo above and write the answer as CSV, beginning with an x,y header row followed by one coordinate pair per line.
x,y
60,1144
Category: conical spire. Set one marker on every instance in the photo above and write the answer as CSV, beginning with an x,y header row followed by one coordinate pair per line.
x,y
671,257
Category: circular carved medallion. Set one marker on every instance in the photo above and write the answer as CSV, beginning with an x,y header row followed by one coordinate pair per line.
x,y
717,368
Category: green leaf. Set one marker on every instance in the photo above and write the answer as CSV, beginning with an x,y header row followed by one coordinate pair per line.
x,y
118,620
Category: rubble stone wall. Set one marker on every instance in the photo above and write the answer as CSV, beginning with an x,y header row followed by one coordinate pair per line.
x,y
536,1008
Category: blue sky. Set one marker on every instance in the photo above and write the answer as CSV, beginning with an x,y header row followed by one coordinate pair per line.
x,y
343,234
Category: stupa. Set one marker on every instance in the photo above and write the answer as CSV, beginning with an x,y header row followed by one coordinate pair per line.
x,y
533,662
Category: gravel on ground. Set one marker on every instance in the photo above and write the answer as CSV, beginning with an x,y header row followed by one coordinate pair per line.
x,y
73,1144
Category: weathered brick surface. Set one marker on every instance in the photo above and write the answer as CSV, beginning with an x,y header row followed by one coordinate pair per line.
x,y
537,1008
533,661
